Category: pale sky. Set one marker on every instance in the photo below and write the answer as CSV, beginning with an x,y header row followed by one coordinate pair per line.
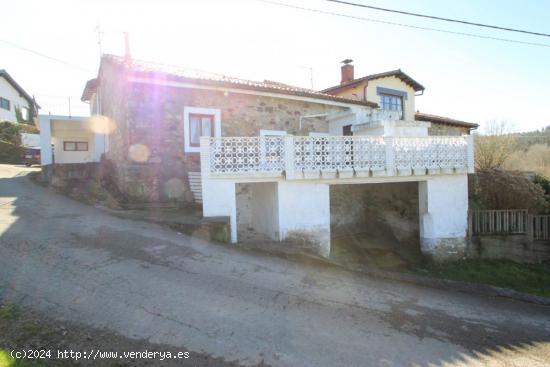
x,y
465,78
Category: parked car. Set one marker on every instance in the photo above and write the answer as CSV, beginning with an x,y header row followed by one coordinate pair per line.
x,y
31,156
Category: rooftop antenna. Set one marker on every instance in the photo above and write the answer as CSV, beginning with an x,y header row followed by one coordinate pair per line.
x,y
310,74
99,36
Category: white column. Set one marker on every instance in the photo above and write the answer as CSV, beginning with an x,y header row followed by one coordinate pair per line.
x,y
443,212
45,141
470,153
218,195
304,214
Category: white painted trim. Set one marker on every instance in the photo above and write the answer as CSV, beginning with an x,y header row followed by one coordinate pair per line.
x,y
272,133
201,111
169,83
314,133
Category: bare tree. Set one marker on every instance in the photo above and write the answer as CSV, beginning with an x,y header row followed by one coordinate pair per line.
x,y
495,145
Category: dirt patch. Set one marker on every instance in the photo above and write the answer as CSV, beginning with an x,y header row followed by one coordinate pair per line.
x,y
23,329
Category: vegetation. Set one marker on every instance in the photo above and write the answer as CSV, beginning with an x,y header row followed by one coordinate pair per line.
x,y
10,140
528,278
500,189
494,148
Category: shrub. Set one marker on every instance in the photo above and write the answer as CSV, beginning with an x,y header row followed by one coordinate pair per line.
x,y
500,189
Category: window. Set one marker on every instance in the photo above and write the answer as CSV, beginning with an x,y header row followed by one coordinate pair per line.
x,y
197,122
390,102
75,146
200,125
4,103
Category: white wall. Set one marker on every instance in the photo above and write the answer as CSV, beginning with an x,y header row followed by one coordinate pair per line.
x,y
11,94
304,212
72,130
264,208
30,140
443,211
219,200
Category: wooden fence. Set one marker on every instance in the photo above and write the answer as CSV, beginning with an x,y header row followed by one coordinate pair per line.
x,y
541,227
512,221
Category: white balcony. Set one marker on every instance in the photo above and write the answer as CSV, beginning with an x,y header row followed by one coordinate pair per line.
x,y
334,157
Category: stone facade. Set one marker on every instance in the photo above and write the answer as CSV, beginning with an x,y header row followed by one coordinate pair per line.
x,y
147,145
447,130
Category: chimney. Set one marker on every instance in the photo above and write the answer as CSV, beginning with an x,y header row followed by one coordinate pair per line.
x,y
347,71
127,56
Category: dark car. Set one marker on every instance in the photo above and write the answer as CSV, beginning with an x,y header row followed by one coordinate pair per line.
x,y
31,156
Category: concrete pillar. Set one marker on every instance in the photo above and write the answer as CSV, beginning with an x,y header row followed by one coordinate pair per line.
x,y
218,200
304,214
45,141
443,212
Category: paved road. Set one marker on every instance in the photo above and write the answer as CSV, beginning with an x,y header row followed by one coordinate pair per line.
x,y
77,263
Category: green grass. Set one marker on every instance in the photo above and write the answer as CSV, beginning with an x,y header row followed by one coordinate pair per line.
x,y
528,278
7,312
7,361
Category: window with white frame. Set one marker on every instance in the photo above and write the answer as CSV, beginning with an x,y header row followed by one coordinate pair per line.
x,y
75,146
199,122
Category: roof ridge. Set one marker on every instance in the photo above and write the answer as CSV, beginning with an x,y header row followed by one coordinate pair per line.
x,y
202,75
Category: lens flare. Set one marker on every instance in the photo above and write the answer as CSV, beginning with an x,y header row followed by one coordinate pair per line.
x,y
139,153
100,124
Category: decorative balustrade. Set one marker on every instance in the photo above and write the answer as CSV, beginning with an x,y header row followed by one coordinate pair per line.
x,y
299,157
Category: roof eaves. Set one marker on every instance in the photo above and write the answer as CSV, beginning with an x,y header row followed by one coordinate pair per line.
x,y
20,89
419,116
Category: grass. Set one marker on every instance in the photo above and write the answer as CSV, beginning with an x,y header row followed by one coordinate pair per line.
x,y
6,360
528,278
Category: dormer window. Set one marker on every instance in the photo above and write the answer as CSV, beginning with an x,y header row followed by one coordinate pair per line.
x,y
391,102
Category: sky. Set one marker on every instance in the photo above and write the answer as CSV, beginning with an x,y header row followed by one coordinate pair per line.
x,y
466,78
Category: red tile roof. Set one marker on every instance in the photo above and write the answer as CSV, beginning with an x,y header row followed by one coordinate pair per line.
x,y
419,116
155,70
396,73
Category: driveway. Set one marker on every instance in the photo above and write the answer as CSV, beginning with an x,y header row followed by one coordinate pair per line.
x,y
78,263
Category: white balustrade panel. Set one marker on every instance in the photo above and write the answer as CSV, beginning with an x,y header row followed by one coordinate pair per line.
x,y
249,155
433,152
339,152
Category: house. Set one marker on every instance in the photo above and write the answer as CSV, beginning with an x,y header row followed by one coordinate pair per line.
x,y
268,155
70,139
14,100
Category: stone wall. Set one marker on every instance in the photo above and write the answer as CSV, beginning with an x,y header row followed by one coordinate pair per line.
x,y
447,130
518,248
389,209
148,149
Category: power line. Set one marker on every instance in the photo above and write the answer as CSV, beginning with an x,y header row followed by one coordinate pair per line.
x,y
474,35
44,55
440,18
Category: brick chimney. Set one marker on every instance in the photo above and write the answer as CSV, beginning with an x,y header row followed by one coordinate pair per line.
x,y
347,71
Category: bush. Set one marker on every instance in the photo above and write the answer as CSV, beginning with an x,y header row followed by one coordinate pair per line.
x,y
500,189
11,133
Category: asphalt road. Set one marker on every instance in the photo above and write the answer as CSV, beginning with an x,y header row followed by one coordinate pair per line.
x,y
77,263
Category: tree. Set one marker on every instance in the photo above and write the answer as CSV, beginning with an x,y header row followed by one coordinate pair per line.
x,y
495,146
